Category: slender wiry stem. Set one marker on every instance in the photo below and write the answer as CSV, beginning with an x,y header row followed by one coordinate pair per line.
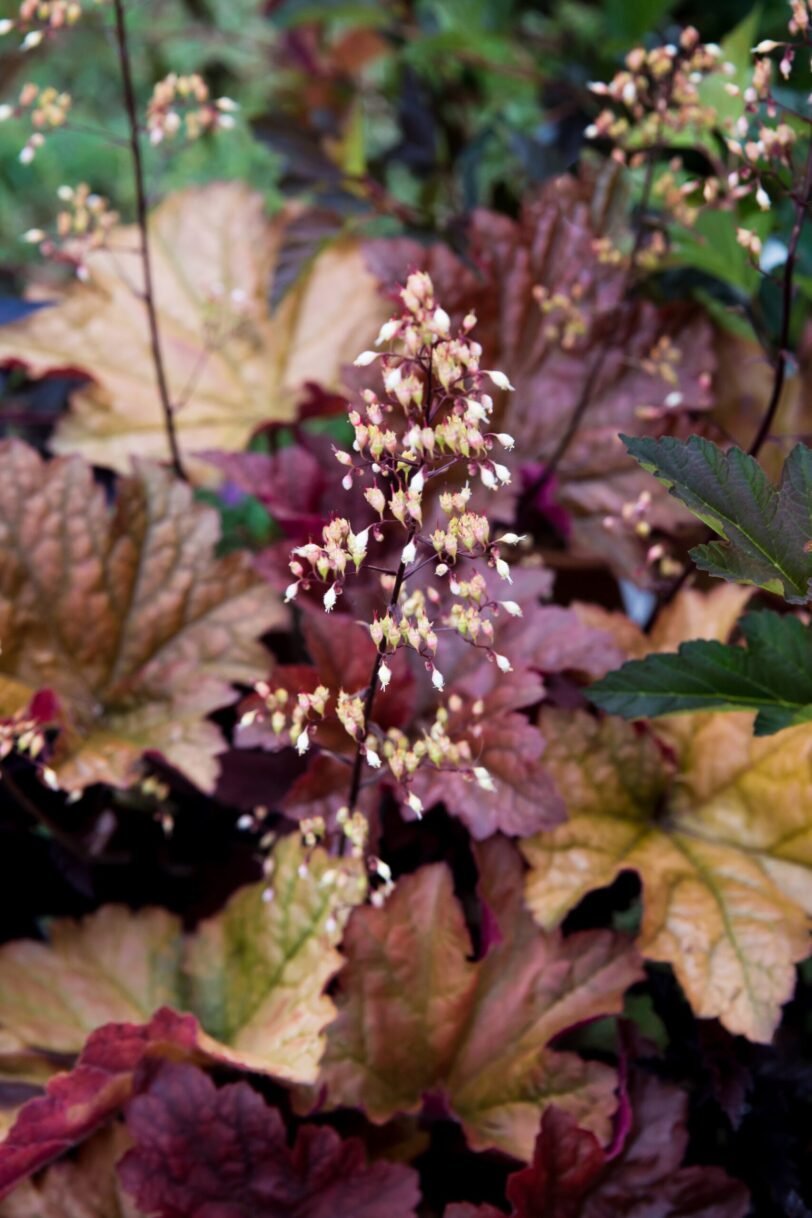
x,y
802,200
141,219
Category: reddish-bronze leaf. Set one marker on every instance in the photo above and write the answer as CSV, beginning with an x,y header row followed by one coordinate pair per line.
x,y
417,1016
551,245
202,1151
84,1185
124,614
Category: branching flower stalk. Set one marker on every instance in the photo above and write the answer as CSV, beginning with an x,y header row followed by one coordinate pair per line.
x,y
431,422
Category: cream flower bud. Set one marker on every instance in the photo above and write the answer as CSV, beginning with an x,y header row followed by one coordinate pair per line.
x,y
483,778
346,482
303,742
33,236
372,758
408,553
384,674
503,570
499,379
291,591
512,607
505,440
488,478
441,569
512,539
763,199
442,321
365,358
766,46
387,331
6,26
342,458
329,599
227,105
415,803
502,472
32,39
503,663
6,112
437,679
418,482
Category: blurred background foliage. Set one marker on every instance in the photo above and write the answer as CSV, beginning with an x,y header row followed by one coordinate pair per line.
x,y
415,111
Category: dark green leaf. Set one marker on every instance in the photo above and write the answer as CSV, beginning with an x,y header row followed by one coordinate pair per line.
x,y
765,530
773,675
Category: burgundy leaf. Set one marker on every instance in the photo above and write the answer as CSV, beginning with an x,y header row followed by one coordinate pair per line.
x,y
201,1152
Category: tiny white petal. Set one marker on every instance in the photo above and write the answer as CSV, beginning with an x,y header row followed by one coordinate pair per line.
x,y
387,331
418,482
291,591
437,679
503,663
442,321
505,440
6,26
346,482
409,553
33,236
415,803
512,607
512,539
503,570
384,674
329,599
499,379
32,39
502,472
303,742
366,357
6,111
483,778
373,759
488,478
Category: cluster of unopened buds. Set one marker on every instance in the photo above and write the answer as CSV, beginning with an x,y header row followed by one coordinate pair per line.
x,y
658,93
83,224
566,322
47,109
184,103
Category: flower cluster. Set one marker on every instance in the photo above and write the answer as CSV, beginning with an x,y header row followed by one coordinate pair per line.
x,y
47,109
183,102
82,224
36,18
418,448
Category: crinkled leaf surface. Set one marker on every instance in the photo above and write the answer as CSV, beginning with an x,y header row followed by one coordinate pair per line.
x,y
721,838
199,1150
773,675
418,1017
765,530
124,614
230,364
254,974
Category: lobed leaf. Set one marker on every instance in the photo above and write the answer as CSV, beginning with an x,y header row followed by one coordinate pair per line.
x,y
721,838
124,614
418,1017
203,1150
765,530
772,676
231,365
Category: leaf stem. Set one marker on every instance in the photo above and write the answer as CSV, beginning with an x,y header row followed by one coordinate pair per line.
x,y
142,221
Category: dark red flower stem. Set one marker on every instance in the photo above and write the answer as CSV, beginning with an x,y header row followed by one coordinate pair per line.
x,y
131,108
802,200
